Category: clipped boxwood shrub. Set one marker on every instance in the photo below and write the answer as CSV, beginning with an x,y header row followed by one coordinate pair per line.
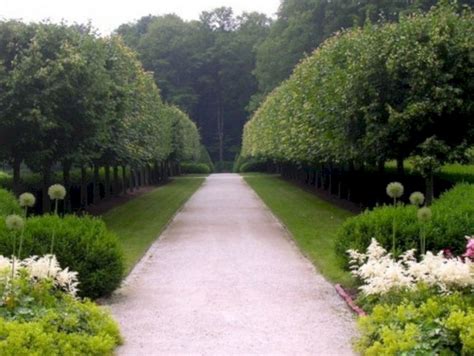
x,y
8,203
453,218
82,243
195,168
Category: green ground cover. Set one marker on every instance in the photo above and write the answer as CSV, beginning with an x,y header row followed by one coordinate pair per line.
x,y
140,221
312,221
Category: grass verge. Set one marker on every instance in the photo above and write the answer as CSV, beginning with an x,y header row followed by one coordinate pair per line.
x,y
312,221
139,222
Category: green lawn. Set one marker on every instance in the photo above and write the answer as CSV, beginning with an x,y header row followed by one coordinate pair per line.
x,y
140,221
312,222
454,172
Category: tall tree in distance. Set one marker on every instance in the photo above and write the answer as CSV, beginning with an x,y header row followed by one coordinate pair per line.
x,y
204,67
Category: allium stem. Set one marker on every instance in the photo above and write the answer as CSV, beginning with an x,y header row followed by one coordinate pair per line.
x,y
13,255
53,236
394,232
422,240
22,235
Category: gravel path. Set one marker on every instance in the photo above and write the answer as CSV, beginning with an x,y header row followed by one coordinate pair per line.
x,y
225,278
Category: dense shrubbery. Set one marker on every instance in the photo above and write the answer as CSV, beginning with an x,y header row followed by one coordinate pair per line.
x,y
224,166
249,164
453,218
81,243
423,306
435,325
39,316
8,203
70,328
194,168
202,163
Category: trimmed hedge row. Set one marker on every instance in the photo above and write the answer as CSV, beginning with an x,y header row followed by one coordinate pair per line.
x,y
195,168
453,218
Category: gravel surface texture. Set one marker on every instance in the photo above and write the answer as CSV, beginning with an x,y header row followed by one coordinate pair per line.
x,y
225,278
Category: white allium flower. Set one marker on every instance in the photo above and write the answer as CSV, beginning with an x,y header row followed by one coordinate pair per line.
x,y
417,198
57,192
424,214
395,190
14,222
27,200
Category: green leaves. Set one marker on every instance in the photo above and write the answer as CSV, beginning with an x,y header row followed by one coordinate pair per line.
x,y
372,94
69,96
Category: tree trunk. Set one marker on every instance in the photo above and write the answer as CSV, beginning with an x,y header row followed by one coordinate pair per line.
x,y
96,186
400,166
67,185
116,184
381,167
155,177
16,176
132,180
136,179
220,130
107,182
83,187
145,175
124,180
429,182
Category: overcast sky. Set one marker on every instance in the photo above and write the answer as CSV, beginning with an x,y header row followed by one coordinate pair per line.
x,y
106,15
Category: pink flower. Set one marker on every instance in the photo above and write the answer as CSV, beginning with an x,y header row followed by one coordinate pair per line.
x,y
469,247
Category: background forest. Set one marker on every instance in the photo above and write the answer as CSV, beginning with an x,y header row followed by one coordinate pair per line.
x,y
219,69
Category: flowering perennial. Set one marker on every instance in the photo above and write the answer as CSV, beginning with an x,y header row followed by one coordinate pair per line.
x,y
27,200
41,268
469,247
381,273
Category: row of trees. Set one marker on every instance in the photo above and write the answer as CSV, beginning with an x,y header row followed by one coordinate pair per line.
x,y
302,25
72,100
374,94
204,67
219,69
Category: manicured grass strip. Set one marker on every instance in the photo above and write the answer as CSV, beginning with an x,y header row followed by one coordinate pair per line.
x,y
312,222
140,221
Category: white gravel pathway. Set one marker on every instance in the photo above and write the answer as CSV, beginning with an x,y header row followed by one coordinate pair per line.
x,y
226,279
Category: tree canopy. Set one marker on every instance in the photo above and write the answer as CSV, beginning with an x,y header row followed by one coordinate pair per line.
x,y
371,94
204,67
220,68
71,98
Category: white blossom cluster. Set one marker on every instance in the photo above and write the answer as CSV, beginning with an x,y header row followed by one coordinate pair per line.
x,y
381,273
40,268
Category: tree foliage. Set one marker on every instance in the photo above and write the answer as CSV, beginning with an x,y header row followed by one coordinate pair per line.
x,y
372,94
302,25
204,67
71,98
